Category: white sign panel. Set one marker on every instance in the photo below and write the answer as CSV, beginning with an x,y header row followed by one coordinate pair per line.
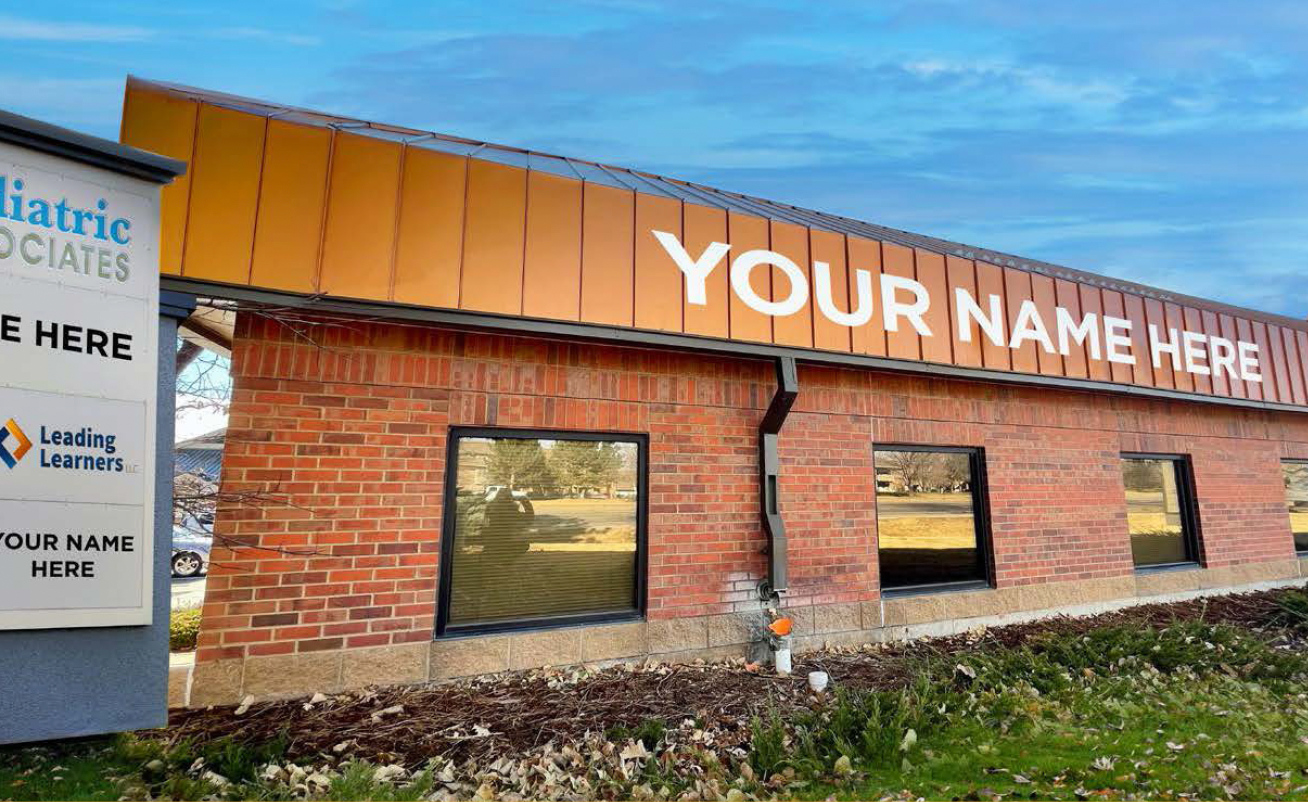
x,y
79,297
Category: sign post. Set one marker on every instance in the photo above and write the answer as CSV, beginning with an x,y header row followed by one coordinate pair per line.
x,y
80,398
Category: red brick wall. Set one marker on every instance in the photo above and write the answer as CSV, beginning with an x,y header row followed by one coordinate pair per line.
x,y
344,425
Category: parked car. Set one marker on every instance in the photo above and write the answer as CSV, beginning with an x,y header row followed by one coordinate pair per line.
x,y
191,545
493,490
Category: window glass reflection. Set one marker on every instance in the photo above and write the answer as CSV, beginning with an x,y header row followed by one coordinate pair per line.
x,y
1154,515
544,528
1296,500
926,523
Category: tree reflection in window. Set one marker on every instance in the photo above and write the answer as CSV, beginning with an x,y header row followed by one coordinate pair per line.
x,y
545,528
927,526
1296,501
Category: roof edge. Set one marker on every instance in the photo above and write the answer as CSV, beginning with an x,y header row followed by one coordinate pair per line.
x,y
745,203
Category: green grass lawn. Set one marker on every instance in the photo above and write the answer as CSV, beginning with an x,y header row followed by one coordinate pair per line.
x,y
1190,711
1152,737
83,769
1207,712
113,767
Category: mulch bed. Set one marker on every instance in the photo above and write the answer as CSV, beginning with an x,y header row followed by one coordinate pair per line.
x,y
512,714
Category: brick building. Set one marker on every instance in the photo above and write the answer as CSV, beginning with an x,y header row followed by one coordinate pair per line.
x,y
497,410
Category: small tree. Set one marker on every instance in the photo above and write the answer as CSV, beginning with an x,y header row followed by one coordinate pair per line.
x,y
912,467
519,464
951,471
583,465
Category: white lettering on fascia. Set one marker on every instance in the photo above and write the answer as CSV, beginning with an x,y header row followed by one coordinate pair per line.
x,y
1249,370
906,301
696,271
1159,345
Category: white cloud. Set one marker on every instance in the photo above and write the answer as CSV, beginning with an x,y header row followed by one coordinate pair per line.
x,y
14,28
265,35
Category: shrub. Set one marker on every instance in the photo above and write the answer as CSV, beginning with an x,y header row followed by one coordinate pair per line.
x,y
183,629
869,727
1293,610
650,732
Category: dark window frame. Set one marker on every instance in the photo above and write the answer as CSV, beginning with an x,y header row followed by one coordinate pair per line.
x,y
1292,461
443,628
980,521
1187,499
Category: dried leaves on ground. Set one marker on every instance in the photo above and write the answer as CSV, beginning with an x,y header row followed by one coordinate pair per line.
x,y
490,718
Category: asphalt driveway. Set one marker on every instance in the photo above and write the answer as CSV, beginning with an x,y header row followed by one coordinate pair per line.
x,y
188,592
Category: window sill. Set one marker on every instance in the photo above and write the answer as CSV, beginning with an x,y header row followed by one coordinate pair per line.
x,y
1165,567
538,625
942,587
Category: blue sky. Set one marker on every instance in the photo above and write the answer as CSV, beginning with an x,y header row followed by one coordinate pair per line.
x,y
1163,142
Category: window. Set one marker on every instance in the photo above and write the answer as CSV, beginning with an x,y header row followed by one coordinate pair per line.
x,y
541,528
930,517
1296,499
1160,510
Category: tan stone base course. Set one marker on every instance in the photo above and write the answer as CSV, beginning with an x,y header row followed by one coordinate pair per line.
x,y
715,637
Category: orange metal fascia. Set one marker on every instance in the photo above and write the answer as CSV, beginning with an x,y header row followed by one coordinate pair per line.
x,y
298,201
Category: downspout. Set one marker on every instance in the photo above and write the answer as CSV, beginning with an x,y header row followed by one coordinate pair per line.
x,y
769,470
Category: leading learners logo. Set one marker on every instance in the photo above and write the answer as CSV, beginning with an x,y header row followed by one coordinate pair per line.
x,y
13,443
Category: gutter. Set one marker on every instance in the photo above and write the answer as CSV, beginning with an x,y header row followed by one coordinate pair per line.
x,y
769,472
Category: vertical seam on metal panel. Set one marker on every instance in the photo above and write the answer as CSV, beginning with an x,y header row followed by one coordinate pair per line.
x,y
808,270
1062,360
1168,368
1003,319
1289,363
1008,333
949,314
258,199
1275,355
849,288
1249,386
634,199
526,216
726,225
190,188
1216,332
1144,337
1271,359
812,283
1262,386
581,253
1295,366
1302,338
1290,373
326,206
917,337
681,281
463,232
1080,316
885,335
772,284
980,335
1203,327
522,260
395,227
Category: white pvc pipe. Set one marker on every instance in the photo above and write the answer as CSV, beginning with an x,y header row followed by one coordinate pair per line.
x,y
781,657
